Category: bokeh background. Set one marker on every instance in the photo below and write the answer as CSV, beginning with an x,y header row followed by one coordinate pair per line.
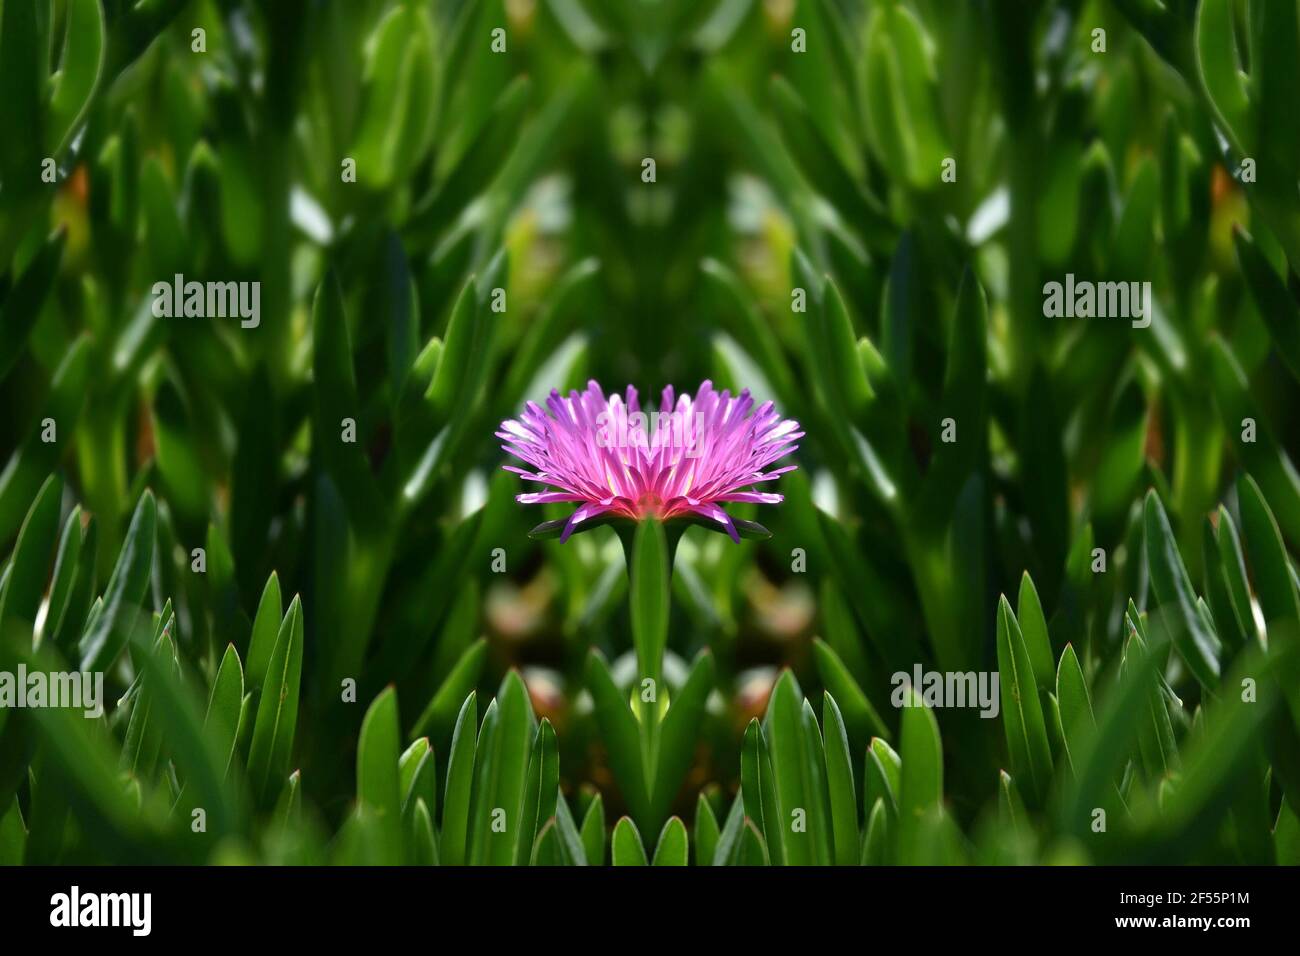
x,y
853,209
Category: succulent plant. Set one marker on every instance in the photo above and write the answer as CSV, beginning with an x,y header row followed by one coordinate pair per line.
x,y
1025,592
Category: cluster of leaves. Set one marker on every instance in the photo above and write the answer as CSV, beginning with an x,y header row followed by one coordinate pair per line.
x,y
852,209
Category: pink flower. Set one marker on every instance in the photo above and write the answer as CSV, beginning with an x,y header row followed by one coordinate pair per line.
x,y
685,460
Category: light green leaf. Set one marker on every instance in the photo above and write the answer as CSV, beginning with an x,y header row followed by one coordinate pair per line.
x,y
424,842
501,767
799,793
920,791
1072,697
225,704
706,831
1033,628
277,710
839,782
758,791
378,778
542,790
1022,712
460,781
266,628
628,849
593,831
673,847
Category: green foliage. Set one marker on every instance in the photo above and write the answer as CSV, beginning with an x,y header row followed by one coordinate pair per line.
x,y
326,631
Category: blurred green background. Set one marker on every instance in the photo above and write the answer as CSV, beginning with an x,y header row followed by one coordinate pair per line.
x,y
853,209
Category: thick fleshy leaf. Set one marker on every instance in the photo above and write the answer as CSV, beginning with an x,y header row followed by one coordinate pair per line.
x,y
1072,697
1196,643
500,775
378,779
28,571
277,710
1219,69
762,809
628,850
1033,628
225,704
266,628
707,833
593,831
542,789
108,634
460,781
920,791
672,848
1022,711
64,576
839,784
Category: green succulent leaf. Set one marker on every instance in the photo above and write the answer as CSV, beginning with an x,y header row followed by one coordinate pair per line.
x,y
839,783
1022,711
277,710
379,787
459,789
672,848
225,704
628,849
108,634
1196,642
